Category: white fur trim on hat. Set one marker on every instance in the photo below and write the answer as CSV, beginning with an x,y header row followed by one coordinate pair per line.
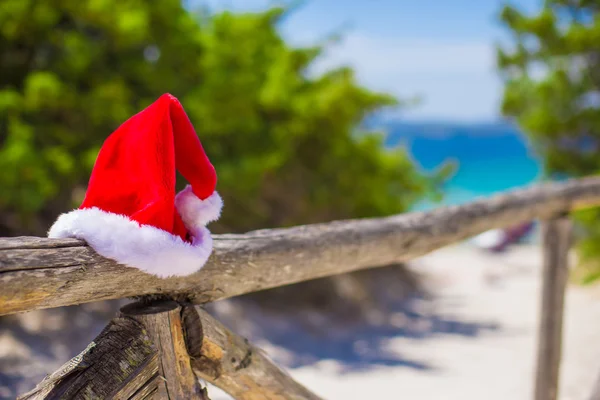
x,y
194,211
144,247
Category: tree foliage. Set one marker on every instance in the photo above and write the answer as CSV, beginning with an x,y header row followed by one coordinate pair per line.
x,y
552,75
288,145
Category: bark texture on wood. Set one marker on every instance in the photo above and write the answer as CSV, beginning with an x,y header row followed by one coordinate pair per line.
x,y
41,273
557,238
117,364
141,354
236,366
158,351
162,321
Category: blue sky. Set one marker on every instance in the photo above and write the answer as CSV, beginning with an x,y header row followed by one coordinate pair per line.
x,y
440,50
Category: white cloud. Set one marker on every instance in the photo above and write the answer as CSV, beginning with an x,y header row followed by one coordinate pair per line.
x,y
383,55
456,79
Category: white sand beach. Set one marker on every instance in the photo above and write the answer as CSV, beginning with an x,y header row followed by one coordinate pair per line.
x,y
494,299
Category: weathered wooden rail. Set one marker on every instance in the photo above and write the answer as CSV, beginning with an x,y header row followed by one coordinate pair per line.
x,y
161,348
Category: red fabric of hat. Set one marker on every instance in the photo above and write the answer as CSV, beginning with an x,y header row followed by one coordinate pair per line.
x,y
131,213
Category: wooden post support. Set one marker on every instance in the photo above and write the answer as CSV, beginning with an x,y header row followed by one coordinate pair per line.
x,y
230,362
162,321
141,354
158,351
557,237
121,363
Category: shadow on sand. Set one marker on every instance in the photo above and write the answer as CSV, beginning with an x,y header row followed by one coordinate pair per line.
x,y
302,324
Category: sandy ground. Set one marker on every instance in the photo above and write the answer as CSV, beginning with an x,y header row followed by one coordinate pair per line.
x,y
473,337
487,350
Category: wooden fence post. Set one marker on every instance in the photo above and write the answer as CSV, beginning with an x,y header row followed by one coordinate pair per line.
x,y
141,354
230,362
158,351
163,322
556,242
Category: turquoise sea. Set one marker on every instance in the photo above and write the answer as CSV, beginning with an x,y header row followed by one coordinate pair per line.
x,y
491,157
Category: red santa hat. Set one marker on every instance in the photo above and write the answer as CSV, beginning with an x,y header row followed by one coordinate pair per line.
x,y
131,213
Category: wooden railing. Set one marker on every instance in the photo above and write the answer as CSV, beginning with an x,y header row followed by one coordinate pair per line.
x,y
159,347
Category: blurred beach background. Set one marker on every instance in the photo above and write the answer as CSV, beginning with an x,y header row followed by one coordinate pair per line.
x,y
460,323
490,157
